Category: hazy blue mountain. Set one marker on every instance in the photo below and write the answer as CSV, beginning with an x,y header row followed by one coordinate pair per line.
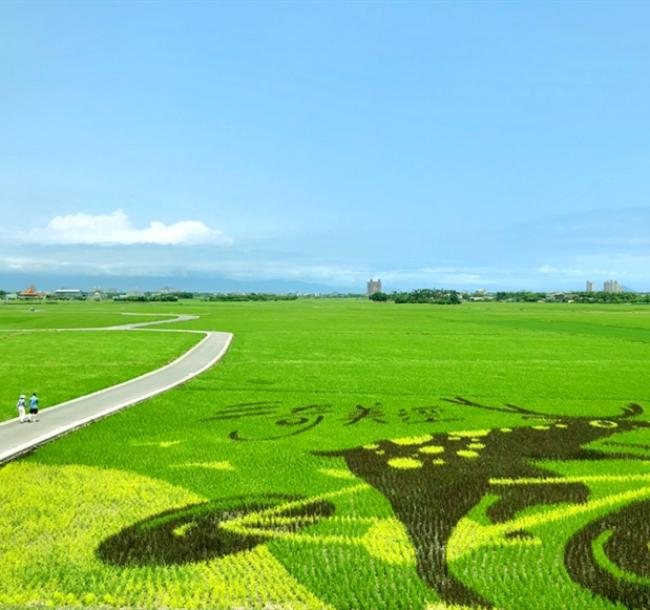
x,y
198,283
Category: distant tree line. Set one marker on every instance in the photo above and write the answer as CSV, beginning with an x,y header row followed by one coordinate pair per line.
x,y
573,297
522,296
155,297
610,297
149,298
425,295
250,296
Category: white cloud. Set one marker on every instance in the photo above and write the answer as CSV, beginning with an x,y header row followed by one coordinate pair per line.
x,y
116,229
547,269
631,267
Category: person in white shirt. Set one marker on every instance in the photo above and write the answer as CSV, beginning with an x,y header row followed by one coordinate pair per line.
x,y
20,405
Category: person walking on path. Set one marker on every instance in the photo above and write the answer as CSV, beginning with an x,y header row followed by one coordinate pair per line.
x,y
20,405
33,407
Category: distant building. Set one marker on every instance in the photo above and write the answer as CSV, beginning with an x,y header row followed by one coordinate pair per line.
x,y
611,286
68,294
590,286
97,294
30,293
373,286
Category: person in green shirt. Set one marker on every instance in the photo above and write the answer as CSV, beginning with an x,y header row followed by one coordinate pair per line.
x,y
33,407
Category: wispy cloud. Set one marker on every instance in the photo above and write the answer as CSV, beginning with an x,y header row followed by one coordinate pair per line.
x,y
596,232
116,229
238,267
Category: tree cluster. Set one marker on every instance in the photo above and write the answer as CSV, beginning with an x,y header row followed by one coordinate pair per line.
x,y
573,297
147,298
522,296
424,295
250,296
610,297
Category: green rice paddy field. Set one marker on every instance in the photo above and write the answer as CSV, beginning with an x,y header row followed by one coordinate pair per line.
x,y
60,366
347,455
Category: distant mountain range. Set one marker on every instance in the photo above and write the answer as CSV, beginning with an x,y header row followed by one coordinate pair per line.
x,y
193,283
212,283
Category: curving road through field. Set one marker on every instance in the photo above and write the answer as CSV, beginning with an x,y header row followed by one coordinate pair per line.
x,y
17,438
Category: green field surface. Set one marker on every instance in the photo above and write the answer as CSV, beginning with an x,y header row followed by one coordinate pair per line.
x,y
355,455
60,366
15,316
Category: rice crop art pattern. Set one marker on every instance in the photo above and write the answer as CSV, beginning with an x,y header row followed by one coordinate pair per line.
x,y
433,481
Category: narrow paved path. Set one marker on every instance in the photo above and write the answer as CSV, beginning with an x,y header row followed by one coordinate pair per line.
x,y
136,325
17,438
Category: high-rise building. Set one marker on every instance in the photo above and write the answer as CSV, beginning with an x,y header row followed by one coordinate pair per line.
x,y
373,286
611,286
590,286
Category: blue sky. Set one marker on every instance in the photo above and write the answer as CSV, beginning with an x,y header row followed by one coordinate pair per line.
x,y
296,145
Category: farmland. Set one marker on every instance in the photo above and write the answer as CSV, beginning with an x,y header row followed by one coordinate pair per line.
x,y
349,455
63,365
